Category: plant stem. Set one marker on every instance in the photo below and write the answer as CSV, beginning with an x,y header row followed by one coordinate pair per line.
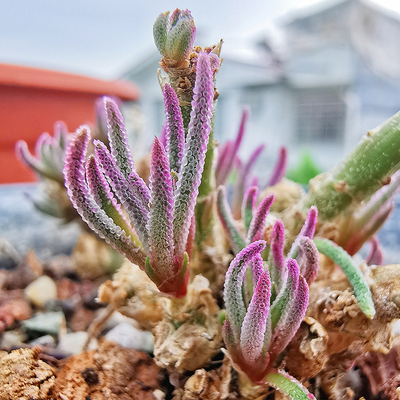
x,y
361,174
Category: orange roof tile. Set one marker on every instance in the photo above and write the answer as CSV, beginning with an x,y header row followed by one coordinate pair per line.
x,y
15,75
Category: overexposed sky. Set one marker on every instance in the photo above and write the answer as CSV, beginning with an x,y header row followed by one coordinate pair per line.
x,y
103,38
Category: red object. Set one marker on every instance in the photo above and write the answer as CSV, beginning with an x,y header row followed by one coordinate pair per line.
x,y
32,100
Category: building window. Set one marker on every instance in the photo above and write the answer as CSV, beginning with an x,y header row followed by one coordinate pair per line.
x,y
321,114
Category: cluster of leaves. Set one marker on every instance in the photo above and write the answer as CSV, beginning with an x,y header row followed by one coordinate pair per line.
x,y
265,306
158,232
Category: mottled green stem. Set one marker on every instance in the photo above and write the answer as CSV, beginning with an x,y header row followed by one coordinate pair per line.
x,y
205,220
361,173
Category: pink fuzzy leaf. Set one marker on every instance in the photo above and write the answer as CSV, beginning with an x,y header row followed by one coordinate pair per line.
x,y
229,153
118,138
242,181
280,167
291,319
175,133
161,243
276,262
194,153
255,321
102,195
308,259
129,199
307,230
235,307
257,223
89,210
286,296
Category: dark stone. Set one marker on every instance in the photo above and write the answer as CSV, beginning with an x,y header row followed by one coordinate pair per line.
x,y
90,376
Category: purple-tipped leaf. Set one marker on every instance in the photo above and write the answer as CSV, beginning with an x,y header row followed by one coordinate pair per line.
x,y
174,133
276,262
102,195
189,177
161,242
257,224
286,296
249,202
291,319
307,230
375,255
229,152
373,215
255,321
243,180
235,307
61,134
138,215
280,167
118,138
308,259
89,210
228,223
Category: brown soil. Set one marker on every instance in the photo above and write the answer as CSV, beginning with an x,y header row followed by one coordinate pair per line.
x,y
111,372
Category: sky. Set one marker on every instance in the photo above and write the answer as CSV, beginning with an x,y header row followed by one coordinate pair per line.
x,y
104,38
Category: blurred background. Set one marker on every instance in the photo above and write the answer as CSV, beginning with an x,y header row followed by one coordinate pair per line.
x,y
316,74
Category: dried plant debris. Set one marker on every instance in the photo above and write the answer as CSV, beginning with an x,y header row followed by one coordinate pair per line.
x,y
110,372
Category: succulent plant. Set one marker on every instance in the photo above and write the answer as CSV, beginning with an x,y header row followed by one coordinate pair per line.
x,y
158,233
278,310
256,333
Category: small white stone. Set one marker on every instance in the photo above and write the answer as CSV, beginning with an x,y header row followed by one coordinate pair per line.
x,y
41,290
72,343
129,337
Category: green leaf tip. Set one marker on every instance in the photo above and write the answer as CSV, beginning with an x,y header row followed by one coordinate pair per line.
x,y
356,278
288,385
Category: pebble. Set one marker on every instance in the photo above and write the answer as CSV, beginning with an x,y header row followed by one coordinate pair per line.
x,y
46,340
48,323
72,343
129,337
9,257
12,340
41,290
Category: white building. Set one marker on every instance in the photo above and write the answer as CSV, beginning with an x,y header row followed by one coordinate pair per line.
x,y
337,76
